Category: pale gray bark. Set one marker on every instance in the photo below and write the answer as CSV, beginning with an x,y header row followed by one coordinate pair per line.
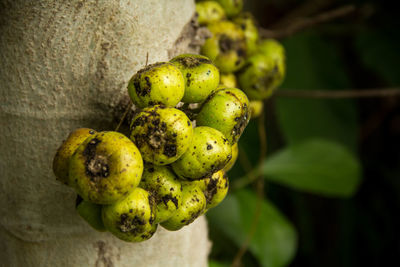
x,y
64,65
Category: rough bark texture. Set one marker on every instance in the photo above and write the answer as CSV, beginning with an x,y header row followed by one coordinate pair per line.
x,y
64,65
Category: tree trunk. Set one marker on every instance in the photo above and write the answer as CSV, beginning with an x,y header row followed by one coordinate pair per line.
x,y
65,65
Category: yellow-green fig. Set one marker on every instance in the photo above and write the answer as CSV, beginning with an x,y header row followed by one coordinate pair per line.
x,y
248,25
161,134
264,71
256,108
132,218
160,83
226,110
216,189
208,12
235,153
226,47
105,168
193,205
65,151
200,74
91,213
228,80
162,183
208,152
231,7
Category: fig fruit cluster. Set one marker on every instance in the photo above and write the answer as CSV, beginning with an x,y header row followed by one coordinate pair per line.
x,y
245,61
172,166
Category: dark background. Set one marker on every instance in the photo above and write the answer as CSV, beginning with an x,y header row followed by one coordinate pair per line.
x,y
357,51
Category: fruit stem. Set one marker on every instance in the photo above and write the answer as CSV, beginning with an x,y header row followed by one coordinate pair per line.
x,y
124,116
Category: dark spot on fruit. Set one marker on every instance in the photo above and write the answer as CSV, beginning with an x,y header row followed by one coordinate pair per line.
x,y
170,150
194,216
147,79
191,61
241,123
96,165
156,122
140,121
152,203
126,224
188,80
225,43
209,147
211,190
165,199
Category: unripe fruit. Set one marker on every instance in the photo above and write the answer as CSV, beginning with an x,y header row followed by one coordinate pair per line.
x,y
208,152
91,213
264,71
231,7
166,189
227,46
247,24
159,83
208,12
193,205
161,134
228,80
227,111
216,189
200,74
132,218
256,108
105,168
272,48
65,151
235,153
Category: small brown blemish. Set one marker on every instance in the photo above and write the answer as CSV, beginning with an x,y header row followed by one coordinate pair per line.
x,y
96,165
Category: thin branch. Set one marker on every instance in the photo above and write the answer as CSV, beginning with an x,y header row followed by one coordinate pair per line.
x,y
303,23
305,9
245,161
329,94
124,116
260,193
245,180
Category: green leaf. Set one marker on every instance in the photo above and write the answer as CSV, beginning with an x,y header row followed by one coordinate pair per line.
x,y
317,166
275,240
315,64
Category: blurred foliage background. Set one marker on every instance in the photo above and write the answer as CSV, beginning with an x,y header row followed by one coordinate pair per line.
x,y
331,177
